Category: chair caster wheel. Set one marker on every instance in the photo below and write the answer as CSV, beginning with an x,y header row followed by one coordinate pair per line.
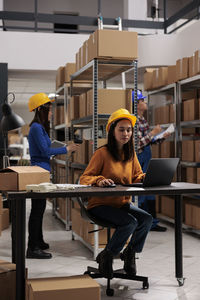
x,y
110,292
145,285
86,273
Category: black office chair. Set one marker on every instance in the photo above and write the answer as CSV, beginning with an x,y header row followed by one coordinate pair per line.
x,y
94,272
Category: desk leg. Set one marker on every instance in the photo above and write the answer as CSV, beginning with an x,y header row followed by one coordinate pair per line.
x,y
20,249
178,240
13,229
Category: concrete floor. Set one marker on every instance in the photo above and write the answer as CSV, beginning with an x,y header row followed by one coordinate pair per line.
x,y
71,257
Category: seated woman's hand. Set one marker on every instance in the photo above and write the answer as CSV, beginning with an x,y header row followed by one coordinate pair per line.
x,y
105,182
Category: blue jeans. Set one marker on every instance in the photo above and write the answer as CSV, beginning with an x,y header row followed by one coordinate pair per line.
x,y
129,220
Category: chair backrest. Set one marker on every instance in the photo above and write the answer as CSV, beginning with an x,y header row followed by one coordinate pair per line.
x,y
88,216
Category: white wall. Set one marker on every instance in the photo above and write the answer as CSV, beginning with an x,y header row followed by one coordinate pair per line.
x,y
38,51
48,51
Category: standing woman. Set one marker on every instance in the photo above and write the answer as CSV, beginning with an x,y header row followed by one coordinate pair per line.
x,y
116,162
40,153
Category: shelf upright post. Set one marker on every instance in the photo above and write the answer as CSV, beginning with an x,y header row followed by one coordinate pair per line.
x,y
179,129
66,100
134,106
95,137
95,103
134,110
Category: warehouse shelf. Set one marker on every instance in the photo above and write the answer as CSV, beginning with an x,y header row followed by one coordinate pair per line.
x,y
99,70
107,69
184,85
168,88
60,161
190,83
60,126
185,227
190,124
89,119
79,166
190,164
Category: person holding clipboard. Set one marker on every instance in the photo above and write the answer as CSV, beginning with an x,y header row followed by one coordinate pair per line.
x,y
40,152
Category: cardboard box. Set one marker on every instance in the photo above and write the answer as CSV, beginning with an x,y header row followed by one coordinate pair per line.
x,y
74,108
171,75
81,155
110,100
198,175
191,175
1,204
197,62
182,68
191,71
167,206
16,178
188,151
167,149
5,221
83,105
7,280
191,94
155,83
155,149
192,213
197,150
70,68
60,77
113,44
190,110
62,288
148,79
162,76
171,113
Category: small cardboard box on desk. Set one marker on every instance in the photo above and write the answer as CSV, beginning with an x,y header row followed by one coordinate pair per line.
x,y
62,288
16,178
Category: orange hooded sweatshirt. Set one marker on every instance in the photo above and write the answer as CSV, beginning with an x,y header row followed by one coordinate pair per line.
x,y
102,165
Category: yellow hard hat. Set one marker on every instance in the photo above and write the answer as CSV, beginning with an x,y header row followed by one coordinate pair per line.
x,y
38,100
121,113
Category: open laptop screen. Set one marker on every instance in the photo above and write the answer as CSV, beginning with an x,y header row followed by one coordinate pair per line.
x,y
160,171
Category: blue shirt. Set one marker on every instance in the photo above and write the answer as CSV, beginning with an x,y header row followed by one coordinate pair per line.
x,y
40,147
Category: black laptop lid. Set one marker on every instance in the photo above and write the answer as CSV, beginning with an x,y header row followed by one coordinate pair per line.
x,y
160,171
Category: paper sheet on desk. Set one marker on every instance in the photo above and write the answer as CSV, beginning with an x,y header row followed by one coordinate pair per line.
x,y
170,130
69,186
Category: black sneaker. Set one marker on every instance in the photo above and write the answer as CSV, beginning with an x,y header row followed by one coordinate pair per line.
x,y
105,259
159,228
37,253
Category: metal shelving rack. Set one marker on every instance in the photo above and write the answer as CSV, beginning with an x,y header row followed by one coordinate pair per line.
x,y
170,89
64,92
98,70
176,89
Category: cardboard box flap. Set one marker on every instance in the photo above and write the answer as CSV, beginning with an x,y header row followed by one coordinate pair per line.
x,y
16,178
6,266
59,283
24,169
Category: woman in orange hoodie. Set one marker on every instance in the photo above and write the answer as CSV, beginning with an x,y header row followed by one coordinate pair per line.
x,y
116,162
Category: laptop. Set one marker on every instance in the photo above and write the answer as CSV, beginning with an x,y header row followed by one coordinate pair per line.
x,y
160,171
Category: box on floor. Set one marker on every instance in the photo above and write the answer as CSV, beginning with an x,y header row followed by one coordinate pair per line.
x,y
7,280
73,287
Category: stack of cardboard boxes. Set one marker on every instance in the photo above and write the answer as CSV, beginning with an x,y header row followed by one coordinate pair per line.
x,y
190,150
104,45
155,78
